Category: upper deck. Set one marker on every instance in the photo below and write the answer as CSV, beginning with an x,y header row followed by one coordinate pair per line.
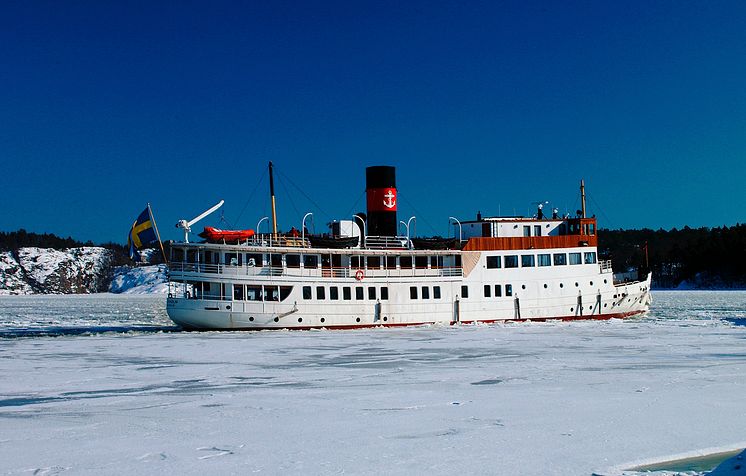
x,y
515,233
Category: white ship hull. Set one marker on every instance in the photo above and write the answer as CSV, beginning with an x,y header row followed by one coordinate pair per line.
x,y
584,291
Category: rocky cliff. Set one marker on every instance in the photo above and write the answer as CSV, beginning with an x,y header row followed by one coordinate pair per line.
x,y
47,271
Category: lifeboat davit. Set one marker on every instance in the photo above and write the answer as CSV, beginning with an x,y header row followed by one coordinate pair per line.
x,y
216,235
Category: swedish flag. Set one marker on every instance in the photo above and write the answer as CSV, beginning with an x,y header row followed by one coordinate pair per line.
x,y
141,234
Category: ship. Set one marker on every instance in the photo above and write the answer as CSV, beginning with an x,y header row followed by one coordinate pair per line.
x,y
364,273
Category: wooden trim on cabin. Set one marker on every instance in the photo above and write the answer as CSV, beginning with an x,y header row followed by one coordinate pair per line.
x,y
530,242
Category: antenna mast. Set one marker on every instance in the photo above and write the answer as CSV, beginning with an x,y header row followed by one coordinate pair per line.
x,y
272,195
582,197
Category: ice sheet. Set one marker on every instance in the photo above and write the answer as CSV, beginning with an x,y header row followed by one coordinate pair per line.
x,y
549,399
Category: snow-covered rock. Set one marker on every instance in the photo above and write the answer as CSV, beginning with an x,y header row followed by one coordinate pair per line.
x,y
12,277
47,271
140,280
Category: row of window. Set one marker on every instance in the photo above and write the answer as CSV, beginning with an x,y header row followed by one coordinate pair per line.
x,y
413,294
542,259
498,290
260,293
346,293
312,261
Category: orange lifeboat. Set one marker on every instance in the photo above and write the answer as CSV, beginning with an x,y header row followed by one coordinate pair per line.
x,y
216,235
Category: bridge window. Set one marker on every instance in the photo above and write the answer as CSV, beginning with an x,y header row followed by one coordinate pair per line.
x,y
575,258
374,262
487,290
420,262
310,261
560,259
334,293
359,293
238,292
292,261
527,261
436,262
413,292
355,262
257,260
254,293
275,260
537,230
508,289
271,293
306,292
285,292
493,262
320,293
464,291
436,292
405,262
391,262
545,259
425,292
526,230
511,261
346,293
590,257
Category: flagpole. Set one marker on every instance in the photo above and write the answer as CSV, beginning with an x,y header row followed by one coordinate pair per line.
x,y
157,235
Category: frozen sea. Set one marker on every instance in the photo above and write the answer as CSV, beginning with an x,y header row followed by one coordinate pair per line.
x,y
105,384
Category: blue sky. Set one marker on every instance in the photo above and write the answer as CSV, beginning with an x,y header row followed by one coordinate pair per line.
x,y
487,106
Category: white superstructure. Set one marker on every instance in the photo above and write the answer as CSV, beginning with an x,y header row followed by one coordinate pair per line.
x,y
501,269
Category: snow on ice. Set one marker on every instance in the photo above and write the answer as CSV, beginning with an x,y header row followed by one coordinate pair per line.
x,y
515,399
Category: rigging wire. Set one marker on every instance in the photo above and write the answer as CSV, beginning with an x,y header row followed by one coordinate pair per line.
x,y
251,195
417,213
601,211
285,177
290,197
354,205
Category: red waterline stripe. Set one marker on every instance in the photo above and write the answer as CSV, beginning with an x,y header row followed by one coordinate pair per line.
x,y
595,317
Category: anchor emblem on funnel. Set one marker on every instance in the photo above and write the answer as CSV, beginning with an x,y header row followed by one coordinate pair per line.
x,y
391,196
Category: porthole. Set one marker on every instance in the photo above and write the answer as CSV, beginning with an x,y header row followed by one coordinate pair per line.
x,y
545,286
606,304
572,309
591,283
562,285
523,286
605,281
228,307
358,319
277,319
576,285
385,318
323,320
251,319
300,319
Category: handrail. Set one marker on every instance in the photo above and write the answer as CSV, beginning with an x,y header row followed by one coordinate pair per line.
x,y
190,270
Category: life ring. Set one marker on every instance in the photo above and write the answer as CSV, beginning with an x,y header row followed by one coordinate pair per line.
x,y
359,274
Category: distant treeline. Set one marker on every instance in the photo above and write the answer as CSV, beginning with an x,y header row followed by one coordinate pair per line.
x,y
709,257
12,240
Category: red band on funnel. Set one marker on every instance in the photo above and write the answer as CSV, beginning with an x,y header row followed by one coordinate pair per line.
x,y
382,199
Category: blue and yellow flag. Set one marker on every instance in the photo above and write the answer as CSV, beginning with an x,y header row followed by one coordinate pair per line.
x,y
141,234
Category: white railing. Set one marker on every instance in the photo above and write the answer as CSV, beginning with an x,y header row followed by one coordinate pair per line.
x,y
189,270
386,242
605,265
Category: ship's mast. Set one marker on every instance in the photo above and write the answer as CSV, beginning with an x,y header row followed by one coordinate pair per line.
x,y
272,195
582,197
